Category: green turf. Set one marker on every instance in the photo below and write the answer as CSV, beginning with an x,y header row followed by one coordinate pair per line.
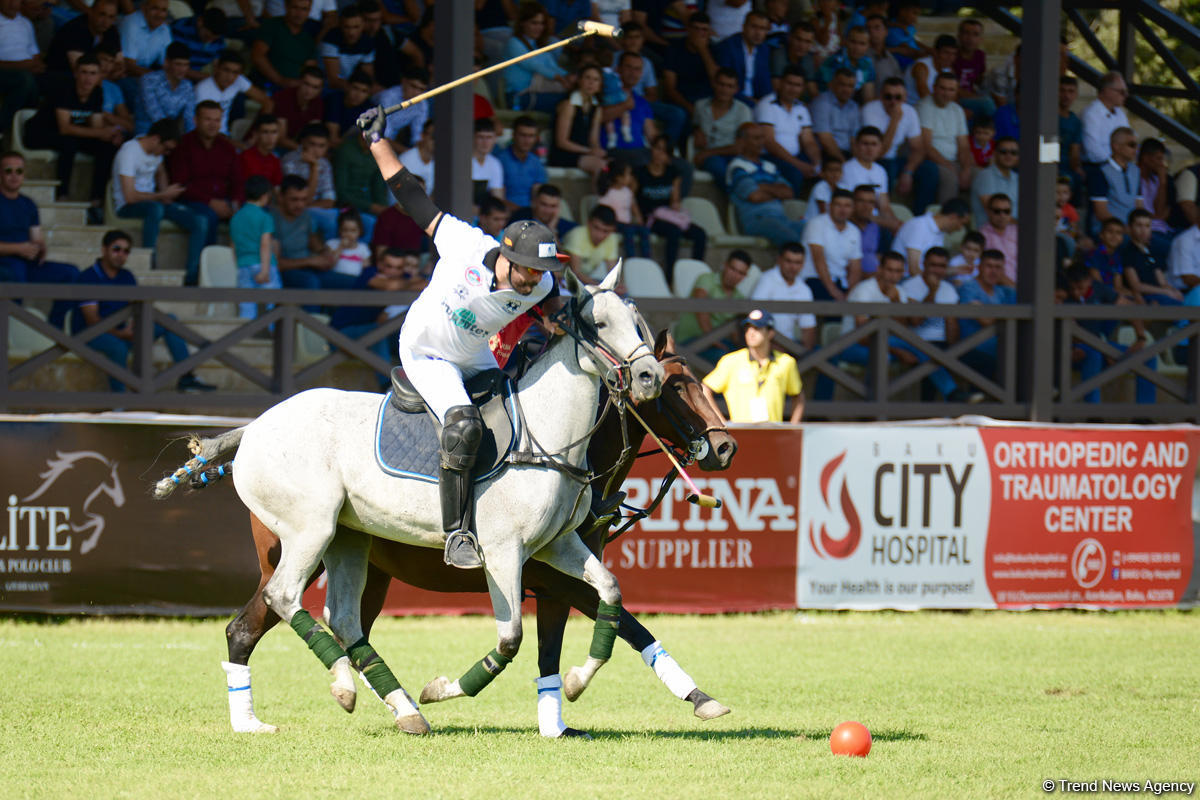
x,y
961,705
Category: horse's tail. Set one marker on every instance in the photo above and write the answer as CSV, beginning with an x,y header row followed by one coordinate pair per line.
x,y
200,470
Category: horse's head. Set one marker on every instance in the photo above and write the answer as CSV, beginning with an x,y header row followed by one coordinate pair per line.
x,y
611,332
683,414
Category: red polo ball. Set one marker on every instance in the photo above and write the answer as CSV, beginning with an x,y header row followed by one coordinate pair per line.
x,y
850,739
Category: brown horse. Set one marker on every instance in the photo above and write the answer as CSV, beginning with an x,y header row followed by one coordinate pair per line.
x,y
682,416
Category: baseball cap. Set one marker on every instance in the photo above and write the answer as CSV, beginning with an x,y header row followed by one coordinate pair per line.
x,y
759,319
531,244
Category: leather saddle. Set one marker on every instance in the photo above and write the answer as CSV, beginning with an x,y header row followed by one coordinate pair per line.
x,y
407,434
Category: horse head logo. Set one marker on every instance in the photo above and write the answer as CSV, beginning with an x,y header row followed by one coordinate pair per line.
x,y
63,463
830,547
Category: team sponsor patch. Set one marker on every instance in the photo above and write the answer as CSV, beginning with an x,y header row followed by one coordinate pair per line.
x,y
547,250
474,276
512,306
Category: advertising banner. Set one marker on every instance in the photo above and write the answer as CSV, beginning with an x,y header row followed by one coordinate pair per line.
x,y
83,535
1003,516
835,516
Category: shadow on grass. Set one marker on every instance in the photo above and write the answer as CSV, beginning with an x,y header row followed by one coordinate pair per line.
x,y
815,734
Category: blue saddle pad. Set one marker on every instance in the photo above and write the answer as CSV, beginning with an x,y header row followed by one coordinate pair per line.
x,y
406,445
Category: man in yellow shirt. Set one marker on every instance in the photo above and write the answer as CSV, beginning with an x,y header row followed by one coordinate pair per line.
x,y
756,380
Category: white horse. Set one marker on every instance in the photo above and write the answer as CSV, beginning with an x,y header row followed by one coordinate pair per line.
x,y
307,465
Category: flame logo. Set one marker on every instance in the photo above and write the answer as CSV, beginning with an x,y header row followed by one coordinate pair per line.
x,y
830,547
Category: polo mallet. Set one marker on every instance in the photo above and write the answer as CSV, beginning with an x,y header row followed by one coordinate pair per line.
x,y
585,27
704,500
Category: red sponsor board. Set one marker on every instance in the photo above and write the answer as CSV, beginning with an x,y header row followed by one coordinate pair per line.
x,y
740,557
684,558
1092,517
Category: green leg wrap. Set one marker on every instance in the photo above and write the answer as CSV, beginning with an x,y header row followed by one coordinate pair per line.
x,y
482,673
367,661
324,646
605,631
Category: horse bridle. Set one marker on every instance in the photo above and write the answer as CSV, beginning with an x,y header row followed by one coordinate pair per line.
x,y
695,439
615,372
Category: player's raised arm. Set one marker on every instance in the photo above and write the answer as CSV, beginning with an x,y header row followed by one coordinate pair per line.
x,y
404,184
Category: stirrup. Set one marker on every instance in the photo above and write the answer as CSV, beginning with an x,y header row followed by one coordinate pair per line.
x,y
462,550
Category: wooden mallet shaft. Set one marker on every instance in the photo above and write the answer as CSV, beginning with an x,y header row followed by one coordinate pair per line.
x,y
586,28
700,499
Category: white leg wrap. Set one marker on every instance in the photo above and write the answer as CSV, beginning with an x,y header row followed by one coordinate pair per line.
x,y
678,682
549,706
241,700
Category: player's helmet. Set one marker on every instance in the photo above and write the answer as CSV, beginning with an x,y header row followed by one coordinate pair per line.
x,y
531,244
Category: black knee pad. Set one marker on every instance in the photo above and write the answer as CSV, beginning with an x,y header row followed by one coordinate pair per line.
x,y
461,435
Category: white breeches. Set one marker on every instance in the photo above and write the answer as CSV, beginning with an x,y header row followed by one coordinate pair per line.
x,y
440,382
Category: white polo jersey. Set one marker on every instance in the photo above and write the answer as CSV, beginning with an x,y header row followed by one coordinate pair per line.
x,y
854,174
787,123
931,329
455,315
840,247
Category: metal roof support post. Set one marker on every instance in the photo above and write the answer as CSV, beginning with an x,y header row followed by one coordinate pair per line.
x,y
1038,168
454,43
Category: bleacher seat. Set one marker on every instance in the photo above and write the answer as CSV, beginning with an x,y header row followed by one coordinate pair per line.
x,y
687,270
23,341
125,223
644,278
902,212
586,204
564,211
218,270
735,230
704,214
33,154
794,209
179,9
750,281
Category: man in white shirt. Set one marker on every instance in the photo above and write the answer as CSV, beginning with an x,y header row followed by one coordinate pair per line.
x,y
1102,117
834,261
944,128
487,173
884,288
864,170
931,286
226,83
789,129
783,282
478,287
19,62
1183,265
901,128
919,234
419,159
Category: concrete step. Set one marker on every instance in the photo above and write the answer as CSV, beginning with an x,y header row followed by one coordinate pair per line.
x,y
75,236
39,190
63,213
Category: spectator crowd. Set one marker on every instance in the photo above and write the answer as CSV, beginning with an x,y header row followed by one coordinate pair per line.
x,y
880,168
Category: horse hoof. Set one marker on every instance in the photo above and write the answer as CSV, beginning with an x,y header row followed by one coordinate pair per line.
x,y
413,723
708,708
574,733
345,697
573,684
437,689
255,726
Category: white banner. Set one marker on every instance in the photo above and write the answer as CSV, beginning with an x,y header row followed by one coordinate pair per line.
x,y
893,518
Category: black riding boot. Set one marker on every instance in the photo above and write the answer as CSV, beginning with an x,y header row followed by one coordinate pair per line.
x,y
461,434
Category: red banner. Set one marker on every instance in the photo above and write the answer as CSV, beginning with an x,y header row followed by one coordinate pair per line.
x,y
1090,517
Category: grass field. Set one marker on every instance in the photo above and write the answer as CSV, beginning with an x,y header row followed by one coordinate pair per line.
x,y
961,705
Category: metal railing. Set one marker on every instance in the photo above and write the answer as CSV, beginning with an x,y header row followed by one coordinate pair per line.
x,y
881,389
